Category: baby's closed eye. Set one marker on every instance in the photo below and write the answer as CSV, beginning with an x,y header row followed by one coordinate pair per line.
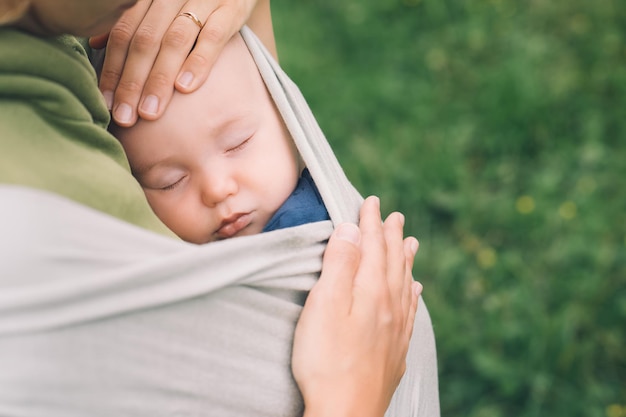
x,y
163,180
172,185
241,145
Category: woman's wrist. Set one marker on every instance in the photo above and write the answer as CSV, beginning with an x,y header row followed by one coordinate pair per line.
x,y
341,411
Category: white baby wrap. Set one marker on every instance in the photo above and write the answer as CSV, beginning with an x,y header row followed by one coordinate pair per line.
x,y
102,318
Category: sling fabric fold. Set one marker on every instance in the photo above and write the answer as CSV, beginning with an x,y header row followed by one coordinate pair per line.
x,y
103,312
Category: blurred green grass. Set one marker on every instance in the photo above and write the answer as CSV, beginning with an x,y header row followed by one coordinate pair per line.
x,y
498,127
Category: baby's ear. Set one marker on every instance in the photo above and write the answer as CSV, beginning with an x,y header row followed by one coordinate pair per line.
x,y
12,10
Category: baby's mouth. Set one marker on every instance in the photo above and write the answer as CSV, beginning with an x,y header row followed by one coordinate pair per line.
x,y
233,224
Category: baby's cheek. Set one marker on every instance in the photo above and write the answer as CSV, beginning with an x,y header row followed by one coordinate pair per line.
x,y
173,215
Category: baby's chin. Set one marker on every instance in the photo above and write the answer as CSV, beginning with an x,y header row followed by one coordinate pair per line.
x,y
214,237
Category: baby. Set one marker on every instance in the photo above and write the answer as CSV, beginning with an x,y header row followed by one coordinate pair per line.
x,y
220,162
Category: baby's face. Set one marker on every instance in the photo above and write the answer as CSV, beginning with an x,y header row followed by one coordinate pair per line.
x,y
76,17
220,162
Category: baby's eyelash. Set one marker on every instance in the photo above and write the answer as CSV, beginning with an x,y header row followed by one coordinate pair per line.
x,y
173,185
240,146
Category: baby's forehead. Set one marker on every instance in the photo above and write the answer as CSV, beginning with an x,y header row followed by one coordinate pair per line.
x,y
234,58
233,88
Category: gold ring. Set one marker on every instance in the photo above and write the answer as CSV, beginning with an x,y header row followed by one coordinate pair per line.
x,y
193,17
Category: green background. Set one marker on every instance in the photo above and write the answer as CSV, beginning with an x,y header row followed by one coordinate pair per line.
x,y
498,128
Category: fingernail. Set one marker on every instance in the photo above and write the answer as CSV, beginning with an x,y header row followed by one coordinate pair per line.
x,y
150,104
348,232
185,79
123,113
108,99
414,246
417,288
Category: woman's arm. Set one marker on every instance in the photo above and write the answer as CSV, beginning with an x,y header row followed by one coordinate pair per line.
x,y
260,22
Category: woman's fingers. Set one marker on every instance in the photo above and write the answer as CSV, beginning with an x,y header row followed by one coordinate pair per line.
x,y
372,277
340,265
118,44
179,39
162,44
353,335
139,62
411,245
416,291
323,336
220,25
396,257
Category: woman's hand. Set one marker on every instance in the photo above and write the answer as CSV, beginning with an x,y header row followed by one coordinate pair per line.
x,y
159,44
352,338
